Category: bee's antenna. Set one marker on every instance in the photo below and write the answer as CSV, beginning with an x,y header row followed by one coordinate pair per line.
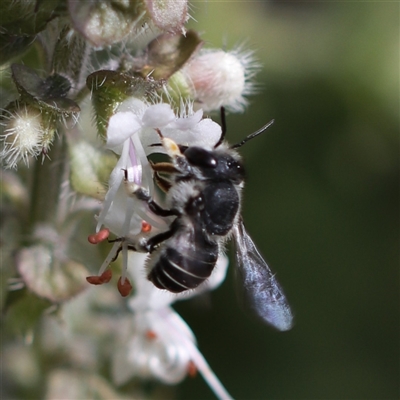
x,y
223,127
253,135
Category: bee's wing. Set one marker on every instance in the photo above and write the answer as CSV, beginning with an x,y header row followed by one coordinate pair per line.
x,y
261,291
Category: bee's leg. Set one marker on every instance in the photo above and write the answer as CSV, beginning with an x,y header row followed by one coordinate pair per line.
x,y
163,183
143,195
153,242
164,167
130,246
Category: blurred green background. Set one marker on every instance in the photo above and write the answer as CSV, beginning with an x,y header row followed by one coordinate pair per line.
x,y
321,202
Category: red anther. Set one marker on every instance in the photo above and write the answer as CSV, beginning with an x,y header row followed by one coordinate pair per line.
x,y
106,276
146,227
99,236
94,280
124,288
92,239
99,280
151,335
191,369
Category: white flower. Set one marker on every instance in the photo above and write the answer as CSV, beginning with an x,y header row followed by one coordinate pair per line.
x,y
161,345
132,135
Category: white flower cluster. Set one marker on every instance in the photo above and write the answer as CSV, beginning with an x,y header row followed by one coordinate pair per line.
x,y
114,49
132,135
161,345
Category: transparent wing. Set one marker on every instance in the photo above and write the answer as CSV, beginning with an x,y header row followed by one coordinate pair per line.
x,y
258,286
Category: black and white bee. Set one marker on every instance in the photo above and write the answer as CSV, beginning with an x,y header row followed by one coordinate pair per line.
x,y
204,196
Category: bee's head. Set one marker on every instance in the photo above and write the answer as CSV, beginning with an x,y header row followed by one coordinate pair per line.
x,y
221,164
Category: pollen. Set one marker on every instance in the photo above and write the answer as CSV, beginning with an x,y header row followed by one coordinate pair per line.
x,y
146,227
151,335
171,147
191,369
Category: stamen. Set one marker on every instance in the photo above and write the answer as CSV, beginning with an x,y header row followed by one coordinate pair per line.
x,y
192,370
129,210
105,277
151,335
99,236
111,255
93,280
124,288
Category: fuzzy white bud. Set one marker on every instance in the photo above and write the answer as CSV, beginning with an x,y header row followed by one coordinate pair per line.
x,y
220,78
167,15
22,136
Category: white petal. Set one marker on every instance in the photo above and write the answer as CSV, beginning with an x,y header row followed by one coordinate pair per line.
x,y
134,105
148,137
208,131
121,126
163,356
120,211
158,115
188,122
205,134
114,185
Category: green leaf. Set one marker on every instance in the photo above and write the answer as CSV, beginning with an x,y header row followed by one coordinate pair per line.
x,y
111,88
70,56
49,93
26,17
12,46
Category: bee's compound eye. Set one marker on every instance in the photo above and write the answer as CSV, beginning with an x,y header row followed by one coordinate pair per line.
x,y
200,157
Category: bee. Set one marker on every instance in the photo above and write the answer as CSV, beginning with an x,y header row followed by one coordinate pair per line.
x,y
204,199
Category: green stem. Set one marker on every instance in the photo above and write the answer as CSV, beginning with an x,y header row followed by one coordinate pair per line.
x,y
47,184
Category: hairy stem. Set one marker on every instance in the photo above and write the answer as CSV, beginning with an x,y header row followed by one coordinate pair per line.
x,y
47,185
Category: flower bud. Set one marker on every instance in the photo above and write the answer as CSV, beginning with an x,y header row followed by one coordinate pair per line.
x,y
220,78
107,22
169,16
24,134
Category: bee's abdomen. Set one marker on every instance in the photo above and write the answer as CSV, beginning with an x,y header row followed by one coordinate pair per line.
x,y
177,272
